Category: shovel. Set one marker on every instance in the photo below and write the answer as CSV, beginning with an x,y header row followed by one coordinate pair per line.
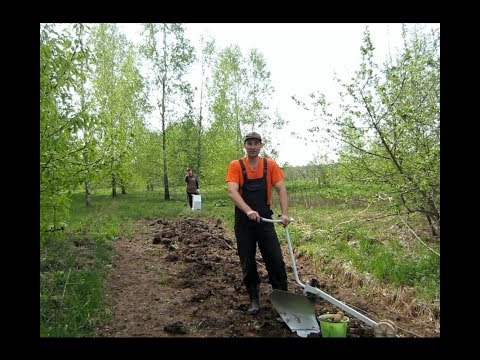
x,y
298,311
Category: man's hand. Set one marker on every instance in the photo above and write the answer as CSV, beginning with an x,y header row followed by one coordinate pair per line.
x,y
253,215
285,219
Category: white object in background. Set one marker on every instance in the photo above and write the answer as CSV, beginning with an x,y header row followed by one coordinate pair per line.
x,y
196,202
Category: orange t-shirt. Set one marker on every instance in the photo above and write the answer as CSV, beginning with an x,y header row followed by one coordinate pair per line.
x,y
274,174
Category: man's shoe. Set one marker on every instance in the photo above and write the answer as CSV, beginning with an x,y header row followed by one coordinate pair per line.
x,y
254,307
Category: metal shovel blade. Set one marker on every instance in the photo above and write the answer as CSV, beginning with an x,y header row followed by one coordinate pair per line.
x,y
296,310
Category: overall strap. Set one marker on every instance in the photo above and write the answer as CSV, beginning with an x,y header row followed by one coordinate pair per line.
x,y
244,172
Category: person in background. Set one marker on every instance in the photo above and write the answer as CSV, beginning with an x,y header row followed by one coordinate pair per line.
x,y
250,181
192,184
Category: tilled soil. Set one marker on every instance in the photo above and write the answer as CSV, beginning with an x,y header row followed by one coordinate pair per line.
x,y
182,278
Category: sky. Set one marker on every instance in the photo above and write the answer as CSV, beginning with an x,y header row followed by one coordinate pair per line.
x,y
302,58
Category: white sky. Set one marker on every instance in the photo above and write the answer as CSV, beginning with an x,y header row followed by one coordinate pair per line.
x,y
302,59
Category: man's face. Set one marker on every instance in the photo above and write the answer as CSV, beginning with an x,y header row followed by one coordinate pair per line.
x,y
253,147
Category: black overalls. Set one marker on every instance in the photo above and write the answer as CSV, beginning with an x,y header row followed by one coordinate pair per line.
x,y
249,233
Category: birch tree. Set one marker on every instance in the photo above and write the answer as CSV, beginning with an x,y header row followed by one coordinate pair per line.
x,y
168,54
60,119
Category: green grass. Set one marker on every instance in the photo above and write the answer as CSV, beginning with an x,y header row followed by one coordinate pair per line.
x,y
71,280
331,224
345,223
340,230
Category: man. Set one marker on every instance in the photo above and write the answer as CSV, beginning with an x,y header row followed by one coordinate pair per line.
x,y
250,181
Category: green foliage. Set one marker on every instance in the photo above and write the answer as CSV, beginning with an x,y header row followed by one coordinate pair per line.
x,y
119,99
168,60
91,104
60,63
389,124
94,105
240,90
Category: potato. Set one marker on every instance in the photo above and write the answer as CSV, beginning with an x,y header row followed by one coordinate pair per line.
x,y
328,317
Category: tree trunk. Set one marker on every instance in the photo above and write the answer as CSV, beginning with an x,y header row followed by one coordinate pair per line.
x,y
124,189
88,192
164,137
432,226
114,186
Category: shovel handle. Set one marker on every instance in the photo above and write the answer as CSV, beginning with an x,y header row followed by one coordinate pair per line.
x,y
290,249
313,290
274,221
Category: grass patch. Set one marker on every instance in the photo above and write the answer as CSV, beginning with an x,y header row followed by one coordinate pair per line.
x,y
71,280
331,224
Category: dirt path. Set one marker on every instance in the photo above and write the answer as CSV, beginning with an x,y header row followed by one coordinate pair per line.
x,y
182,277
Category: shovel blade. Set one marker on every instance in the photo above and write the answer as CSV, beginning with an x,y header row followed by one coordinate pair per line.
x,y
297,311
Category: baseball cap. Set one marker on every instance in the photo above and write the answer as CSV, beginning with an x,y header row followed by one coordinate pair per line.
x,y
252,135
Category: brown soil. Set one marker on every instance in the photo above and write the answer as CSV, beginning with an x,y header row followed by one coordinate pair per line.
x,y
182,278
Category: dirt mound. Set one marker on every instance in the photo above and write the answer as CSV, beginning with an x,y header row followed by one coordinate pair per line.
x,y
182,277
